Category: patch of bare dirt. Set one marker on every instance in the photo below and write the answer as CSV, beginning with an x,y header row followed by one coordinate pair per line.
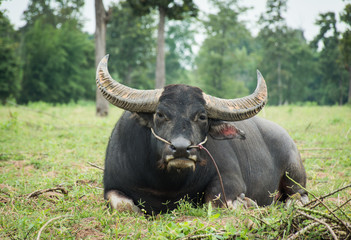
x,y
91,183
51,174
80,166
321,175
18,165
88,228
5,191
6,188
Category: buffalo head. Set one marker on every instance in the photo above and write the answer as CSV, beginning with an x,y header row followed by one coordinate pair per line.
x,y
180,116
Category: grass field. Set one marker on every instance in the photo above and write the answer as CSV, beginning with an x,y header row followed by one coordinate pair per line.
x,y
45,147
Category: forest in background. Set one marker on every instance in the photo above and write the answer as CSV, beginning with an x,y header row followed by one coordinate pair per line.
x,y
51,59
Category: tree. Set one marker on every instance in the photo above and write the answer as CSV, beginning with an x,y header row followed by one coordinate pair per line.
x,y
345,44
180,40
57,64
332,74
9,62
130,42
298,68
274,35
101,17
166,8
55,12
225,63
57,59
287,60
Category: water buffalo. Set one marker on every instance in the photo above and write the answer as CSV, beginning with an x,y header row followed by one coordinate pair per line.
x,y
155,158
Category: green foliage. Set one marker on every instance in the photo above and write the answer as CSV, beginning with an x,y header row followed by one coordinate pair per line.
x,y
130,43
173,9
291,69
180,41
9,61
226,63
42,147
53,12
332,75
58,64
166,9
287,60
345,44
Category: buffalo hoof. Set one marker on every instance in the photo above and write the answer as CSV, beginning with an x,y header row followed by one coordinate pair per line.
x,y
241,201
298,199
121,203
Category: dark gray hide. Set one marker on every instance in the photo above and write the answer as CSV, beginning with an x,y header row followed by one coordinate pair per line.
x,y
254,164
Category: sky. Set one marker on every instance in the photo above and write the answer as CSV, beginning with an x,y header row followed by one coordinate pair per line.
x,y
301,14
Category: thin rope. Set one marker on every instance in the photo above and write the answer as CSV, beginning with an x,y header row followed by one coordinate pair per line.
x,y
218,173
169,143
201,143
201,147
159,138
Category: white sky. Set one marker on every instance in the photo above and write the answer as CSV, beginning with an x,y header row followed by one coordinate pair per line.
x,y
301,13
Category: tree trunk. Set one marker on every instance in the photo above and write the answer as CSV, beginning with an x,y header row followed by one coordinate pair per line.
x,y
160,60
100,51
280,90
349,96
340,92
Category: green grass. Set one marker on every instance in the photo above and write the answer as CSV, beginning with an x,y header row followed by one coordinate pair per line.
x,y
43,147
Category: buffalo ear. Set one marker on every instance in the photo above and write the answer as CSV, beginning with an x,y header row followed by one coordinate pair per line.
x,y
222,130
144,119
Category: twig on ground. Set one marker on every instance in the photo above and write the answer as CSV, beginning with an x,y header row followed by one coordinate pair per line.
x,y
39,192
96,166
326,195
202,236
339,209
48,222
5,193
263,221
319,221
322,214
302,231
318,199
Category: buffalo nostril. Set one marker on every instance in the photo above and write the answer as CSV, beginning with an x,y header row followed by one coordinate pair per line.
x,y
180,146
173,148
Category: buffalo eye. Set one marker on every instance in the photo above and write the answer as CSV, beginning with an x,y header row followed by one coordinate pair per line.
x,y
161,116
201,117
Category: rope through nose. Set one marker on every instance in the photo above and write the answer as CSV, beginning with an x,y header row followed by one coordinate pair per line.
x,y
218,172
201,147
169,143
159,138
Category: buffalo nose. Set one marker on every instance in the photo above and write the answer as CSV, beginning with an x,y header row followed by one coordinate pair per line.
x,y
180,147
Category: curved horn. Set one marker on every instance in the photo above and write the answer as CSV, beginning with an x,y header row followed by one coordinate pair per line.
x,y
239,108
122,96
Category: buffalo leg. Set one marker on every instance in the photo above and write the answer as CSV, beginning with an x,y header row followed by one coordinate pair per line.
x,y
289,189
243,201
235,193
120,202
